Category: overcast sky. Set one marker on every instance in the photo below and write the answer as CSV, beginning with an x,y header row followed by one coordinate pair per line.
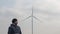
x,y
47,11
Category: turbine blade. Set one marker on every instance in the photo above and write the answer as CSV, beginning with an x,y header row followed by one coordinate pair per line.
x,y
36,18
26,18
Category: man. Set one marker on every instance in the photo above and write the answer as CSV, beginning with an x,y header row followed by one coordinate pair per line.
x,y
14,28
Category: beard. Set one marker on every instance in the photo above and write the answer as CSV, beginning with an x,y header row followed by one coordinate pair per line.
x,y
16,23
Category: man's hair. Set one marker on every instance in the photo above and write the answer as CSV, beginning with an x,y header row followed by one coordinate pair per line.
x,y
14,20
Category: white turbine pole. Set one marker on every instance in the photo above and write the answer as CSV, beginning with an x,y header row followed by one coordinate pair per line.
x,y
32,19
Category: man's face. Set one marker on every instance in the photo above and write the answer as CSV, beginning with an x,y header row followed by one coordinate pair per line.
x,y
16,22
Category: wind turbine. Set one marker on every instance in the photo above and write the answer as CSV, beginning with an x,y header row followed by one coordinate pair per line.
x,y
32,16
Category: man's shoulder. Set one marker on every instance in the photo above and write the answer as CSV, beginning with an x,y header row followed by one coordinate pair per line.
x,y
10,27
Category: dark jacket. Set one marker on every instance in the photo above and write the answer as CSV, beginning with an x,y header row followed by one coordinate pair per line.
x,y
13,29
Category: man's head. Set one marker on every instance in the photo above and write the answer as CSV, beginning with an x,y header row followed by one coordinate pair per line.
x,y
14,21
